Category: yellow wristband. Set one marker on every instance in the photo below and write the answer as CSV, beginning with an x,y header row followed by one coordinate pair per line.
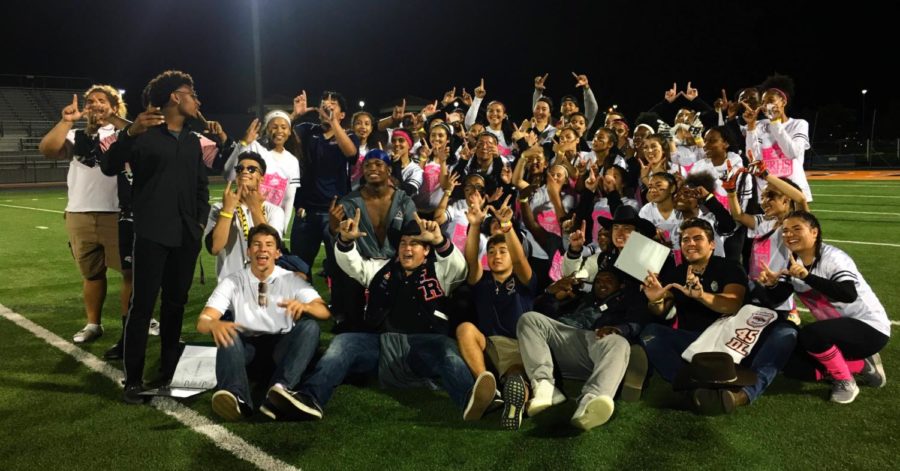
x,y
226,215
505,224
244,143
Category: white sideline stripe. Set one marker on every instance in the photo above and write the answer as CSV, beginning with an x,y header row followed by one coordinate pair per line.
x,y
881,244
857,196
817,210
803,309
33,209
220,436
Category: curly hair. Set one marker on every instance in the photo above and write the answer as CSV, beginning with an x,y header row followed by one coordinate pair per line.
x,y
112,95
161,87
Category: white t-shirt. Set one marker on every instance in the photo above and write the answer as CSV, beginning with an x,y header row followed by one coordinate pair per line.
x,y
457,227
430,193
686,156
282,177
89,189
545,216
413,175
239,293
782,147
233,256
770,250
835,265
720,172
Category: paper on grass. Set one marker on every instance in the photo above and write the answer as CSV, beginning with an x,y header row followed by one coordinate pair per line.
x,y
640,255
195,373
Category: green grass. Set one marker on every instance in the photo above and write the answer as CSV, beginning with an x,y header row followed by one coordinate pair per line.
x,y
58,414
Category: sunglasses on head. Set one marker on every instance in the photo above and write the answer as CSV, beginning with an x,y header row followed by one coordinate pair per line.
x,y
251,169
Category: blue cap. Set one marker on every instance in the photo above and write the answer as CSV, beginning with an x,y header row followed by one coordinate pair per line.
x,y
378,154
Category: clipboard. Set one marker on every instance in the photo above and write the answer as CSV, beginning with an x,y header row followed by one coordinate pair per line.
x,y
194,374
640,255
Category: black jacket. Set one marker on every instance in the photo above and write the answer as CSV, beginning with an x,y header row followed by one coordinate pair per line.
x,y
170,192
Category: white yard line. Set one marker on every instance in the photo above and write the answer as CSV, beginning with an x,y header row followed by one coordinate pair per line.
x,y
817,210
880,244
855,196
33,209
220,436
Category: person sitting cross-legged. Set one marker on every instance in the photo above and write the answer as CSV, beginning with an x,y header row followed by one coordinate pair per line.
x,y
271,307
408,344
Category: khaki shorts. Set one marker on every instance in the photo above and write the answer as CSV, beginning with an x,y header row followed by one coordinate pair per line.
x,y
94,240
503,353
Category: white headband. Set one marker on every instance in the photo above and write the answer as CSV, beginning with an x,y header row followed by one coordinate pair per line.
x,y
643,125
276,114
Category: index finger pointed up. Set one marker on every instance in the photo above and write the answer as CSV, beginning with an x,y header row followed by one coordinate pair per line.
x,y
506,200
75,101
724,96
583,226
356,217
545,76
482,82
689,85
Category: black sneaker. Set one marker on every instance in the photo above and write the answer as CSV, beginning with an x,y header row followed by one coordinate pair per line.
x,y
133,394
514,397
293,405
269,410
228,406
115,352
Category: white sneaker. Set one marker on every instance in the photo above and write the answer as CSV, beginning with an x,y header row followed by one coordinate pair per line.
x,y
592,411
89,333
873,373
844,391
154,327
481,396
545,395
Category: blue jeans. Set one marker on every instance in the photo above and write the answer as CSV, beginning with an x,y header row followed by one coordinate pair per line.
x,y
292,354
308,233
430,356
665,345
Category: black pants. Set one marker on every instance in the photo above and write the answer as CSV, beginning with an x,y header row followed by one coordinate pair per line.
x,y
172,269
854,338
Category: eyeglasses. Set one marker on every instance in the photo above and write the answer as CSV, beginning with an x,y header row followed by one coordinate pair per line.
x,y
190,93
262,298
251,169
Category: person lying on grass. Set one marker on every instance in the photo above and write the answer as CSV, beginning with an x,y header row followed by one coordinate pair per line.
x,y
261,308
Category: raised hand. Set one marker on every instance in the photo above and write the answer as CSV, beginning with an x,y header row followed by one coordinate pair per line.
x,y
652,287
609,183
429,231
506,175
539,82
449,96
349,228
757,168
672,93
293,308
300,105
480,92
591,182
335,215
581,80
518,132
251,197
450,182
230,198
399,111
466,98
722,104
214,127
767,277
71,113
466,152
425,151
252,131
692,287
431,108
475,214
503,213
691,92
796,269
146,120
731,177
750,115
577,238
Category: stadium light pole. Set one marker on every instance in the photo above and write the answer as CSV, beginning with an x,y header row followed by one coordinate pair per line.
x,y
257,66
862,125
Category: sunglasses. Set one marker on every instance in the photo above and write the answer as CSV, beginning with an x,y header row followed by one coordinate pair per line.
x,y
251,169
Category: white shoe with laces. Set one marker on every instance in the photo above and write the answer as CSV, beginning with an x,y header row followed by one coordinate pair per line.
x,y
545,395
89,333
593,411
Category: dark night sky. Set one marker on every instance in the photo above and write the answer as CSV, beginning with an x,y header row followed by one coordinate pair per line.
x,y
377,51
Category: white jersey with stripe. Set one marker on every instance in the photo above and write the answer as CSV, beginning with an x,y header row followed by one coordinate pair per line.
x,y
835,265
770,250
782,146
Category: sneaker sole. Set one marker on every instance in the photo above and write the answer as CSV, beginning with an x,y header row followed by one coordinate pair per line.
x,y
714,401
284,401
268,412
481,398
225,405
514,392
846,401
635,374
535,409
879,377
597,413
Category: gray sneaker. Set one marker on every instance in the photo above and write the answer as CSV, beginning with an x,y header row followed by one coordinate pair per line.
x,y
873,373
844,391
87,334
154,327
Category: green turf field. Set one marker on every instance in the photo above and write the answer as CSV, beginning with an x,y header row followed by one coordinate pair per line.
x,y
58,414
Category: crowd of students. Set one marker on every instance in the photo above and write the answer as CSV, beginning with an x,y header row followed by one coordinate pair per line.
x,y
471,251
